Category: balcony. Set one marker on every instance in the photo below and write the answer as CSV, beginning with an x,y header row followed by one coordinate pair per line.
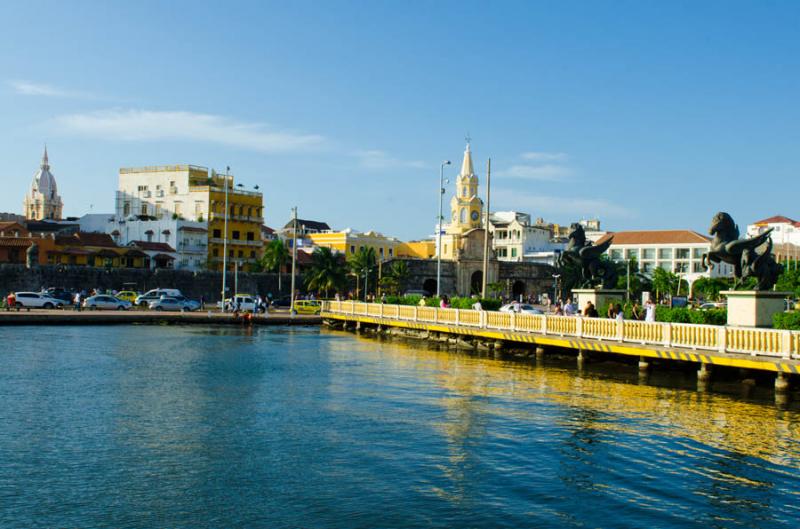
x,y
240,218
235,242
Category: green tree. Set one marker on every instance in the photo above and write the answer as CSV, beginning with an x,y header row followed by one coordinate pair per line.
x,y
709,287
326,272
789,281
395,277
362,263
275,257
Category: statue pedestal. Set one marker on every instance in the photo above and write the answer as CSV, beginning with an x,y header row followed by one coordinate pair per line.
x,y
598,297
754,308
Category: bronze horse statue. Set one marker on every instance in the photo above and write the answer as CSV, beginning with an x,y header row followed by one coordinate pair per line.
x,y
587,257
726,247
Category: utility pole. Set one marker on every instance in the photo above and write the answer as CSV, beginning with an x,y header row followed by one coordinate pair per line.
x,y
484,278
235,277
439,231
225,241
628,282
294,255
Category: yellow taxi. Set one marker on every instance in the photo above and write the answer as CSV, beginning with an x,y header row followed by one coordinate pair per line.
x,y
127,295
307,306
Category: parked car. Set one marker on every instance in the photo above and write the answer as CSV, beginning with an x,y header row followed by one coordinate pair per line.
x,y
245,302
128,295
307,306
174,304
524,308
37,300
709,305
281,303
423,293
60,293
157,293
106,302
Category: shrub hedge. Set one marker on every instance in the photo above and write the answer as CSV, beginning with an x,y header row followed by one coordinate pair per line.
x,y
455,302
787,320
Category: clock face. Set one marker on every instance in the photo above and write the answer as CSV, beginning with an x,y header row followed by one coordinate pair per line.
x,y
474,216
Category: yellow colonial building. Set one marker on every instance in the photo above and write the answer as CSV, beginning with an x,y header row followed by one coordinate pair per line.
x,y
193,193
349,242
417,249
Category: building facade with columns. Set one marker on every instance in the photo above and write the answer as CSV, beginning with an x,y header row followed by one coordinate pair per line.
x,y
42,202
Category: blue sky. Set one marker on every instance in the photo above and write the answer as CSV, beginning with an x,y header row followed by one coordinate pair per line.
x,y
646,114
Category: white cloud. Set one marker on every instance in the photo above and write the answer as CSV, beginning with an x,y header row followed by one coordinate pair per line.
x,y
377,159
544,156
29,88
149,125
547,172
561,208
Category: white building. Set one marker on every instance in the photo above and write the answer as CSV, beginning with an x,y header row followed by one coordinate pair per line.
x,y
784,229
189,239
515,238
677,251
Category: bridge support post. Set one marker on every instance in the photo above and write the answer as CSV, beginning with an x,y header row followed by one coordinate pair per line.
x,y
704,377
583,357
644,365
781,383
539,353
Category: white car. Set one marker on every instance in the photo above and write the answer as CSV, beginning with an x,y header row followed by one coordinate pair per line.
x,y
246,303
106,302
157,293
37,300
523,308
181,304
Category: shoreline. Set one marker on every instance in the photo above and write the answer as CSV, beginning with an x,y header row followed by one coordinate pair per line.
x,y
85,317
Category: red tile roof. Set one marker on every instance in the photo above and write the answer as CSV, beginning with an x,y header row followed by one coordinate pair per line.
x,y
778,219
83,238
655,237
152,246
14,242
193,229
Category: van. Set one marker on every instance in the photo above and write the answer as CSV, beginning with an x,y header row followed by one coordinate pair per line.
x,y
155,294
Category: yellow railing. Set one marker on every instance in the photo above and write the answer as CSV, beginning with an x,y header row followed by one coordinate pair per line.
x,y
695,336
641,332
599,328
498,320
753,341
469,317
564,325
529,322
757,342
426,314
406,312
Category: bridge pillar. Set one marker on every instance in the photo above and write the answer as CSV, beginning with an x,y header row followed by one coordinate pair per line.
x,y
539,352
583,357
781,383
748,385
644,365
704,377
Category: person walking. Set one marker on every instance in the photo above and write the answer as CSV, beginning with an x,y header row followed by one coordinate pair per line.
x,y
590,311
569,308
636,311
11,301
77,300
611,313
620,316
650,311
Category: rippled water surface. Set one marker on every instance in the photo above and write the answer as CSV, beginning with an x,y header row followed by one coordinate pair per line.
x,y
188,427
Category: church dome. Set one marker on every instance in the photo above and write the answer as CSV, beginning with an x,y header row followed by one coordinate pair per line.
x,y
43,181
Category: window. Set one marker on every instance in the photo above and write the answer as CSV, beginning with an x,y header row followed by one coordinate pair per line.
x,y
698,268
215,252
217,234
513,252
463,218
126,209
697,253
352,249
230,253
252,254
391,251
648,253
664,265
681,267
682,253
236,235
178,208
616,255
241,253
665,253
250,236
464,191
632,254
647,268
144,209
158,210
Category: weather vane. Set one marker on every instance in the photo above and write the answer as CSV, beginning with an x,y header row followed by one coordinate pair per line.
x,y
468,138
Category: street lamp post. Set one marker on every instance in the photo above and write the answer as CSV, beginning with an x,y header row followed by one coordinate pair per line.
x,y
225,240
294,255
555,287
439,231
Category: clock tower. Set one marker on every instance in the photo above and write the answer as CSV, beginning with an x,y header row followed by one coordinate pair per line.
x,y
466,209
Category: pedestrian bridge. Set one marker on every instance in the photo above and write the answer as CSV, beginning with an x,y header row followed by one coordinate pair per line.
x,y
748,348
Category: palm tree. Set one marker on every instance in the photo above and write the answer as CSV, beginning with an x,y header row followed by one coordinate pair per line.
x,y
362,263
395,277
326,272
275,256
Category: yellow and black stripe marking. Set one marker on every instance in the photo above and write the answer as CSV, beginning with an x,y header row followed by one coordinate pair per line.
x,y
599,345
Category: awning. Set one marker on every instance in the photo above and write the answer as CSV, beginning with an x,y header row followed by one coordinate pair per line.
x,y
163,256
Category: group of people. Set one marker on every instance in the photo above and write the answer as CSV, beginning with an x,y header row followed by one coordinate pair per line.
x,y
615,310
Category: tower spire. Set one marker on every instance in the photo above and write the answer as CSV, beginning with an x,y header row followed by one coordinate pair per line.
x,y
466,165
45,161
